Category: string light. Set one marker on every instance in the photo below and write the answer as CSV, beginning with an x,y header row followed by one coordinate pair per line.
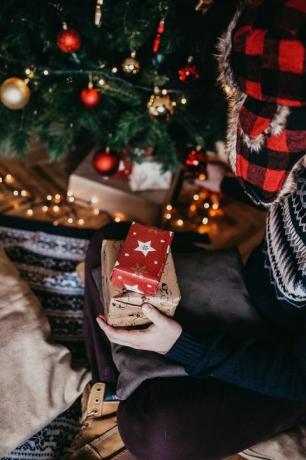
x,y
180,222
205,220
206,205
117,219
9,179
196,197
59,205
169,207
168,216
46,72
184,100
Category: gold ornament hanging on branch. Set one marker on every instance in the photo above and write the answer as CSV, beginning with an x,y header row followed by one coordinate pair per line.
x,y
99,13
130,65
204,5
14,93
160,105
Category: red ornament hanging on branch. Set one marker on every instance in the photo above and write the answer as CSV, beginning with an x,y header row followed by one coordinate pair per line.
x,y
189,72
196,162
68,40
157,39
90,96
105,162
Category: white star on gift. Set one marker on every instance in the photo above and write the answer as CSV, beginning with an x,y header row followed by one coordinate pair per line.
x,y
133,288
144,247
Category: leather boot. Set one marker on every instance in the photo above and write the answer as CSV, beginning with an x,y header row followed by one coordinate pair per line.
x,y
99,437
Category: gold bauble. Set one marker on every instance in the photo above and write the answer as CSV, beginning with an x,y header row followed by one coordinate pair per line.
x,y
131,66
14,93
160,106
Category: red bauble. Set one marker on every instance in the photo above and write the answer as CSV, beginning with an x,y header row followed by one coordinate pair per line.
x,y
188,73
105,162
196,161
68,40
90,97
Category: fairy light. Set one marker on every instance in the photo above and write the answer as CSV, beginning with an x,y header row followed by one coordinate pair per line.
x,y
57,197
180,222
70,220
202,177
183,100
46,72
44,208
15,193
114,69
205,220
24,193
164,92
96,211
94,200
81,222
206,205
56,208
196,197
117,219
101,82
215,206
49,197
168,216
169,207
9,179
30,212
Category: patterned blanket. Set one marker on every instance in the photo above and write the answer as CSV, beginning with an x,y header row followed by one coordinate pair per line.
x,y
47,262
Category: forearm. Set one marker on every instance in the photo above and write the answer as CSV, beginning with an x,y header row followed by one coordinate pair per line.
x,y
265,367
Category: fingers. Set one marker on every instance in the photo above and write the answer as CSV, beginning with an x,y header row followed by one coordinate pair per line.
x,y
154,315
120,336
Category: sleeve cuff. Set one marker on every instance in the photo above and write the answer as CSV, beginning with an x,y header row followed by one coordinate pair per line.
x,y
187,351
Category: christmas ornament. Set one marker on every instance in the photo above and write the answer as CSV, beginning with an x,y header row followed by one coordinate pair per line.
x,y
130,65
14,93
160,105
125,167
90,96
68,40
105,162
98,13
196,161
188,73
203,5
159,32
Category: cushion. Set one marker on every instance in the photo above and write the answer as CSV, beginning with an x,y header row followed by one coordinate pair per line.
x,y
37,382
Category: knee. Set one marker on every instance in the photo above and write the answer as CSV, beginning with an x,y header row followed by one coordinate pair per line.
x,y
150,433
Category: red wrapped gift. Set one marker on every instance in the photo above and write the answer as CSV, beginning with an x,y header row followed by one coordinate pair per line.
x,y
142,259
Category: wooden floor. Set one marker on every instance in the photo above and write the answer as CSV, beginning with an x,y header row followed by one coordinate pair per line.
x,y
38,178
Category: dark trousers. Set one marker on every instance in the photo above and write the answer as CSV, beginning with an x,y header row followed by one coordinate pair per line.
x,y
181,418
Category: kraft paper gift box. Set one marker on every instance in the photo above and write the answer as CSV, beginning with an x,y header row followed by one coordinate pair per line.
x,y
122,308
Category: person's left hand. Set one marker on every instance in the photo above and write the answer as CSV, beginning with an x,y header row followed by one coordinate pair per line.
x,y
159,336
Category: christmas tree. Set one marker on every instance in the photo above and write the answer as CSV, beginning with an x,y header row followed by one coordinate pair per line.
x,y
131,73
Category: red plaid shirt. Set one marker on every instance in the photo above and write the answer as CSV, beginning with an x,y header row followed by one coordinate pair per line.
x,y
269,63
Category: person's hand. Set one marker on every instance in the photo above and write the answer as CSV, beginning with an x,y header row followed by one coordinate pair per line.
x,y
159,336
